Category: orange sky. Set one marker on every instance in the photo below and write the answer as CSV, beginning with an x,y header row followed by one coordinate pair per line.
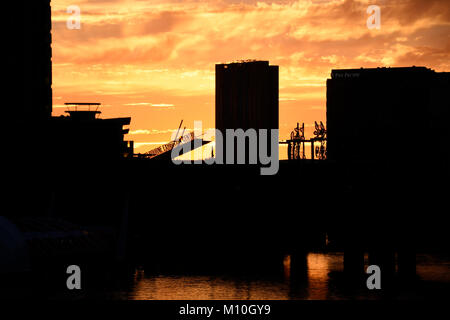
x,y
154,60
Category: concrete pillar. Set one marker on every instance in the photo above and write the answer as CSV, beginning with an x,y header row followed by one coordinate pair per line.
x,y
406,261
385,259
298,267
353,241
353,262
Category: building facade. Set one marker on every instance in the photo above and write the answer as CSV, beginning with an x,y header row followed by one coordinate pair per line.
x,y
388,115
29,62
246,96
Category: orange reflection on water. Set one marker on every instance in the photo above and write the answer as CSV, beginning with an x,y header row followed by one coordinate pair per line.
x,y
318,269
287,267
205,288
314,285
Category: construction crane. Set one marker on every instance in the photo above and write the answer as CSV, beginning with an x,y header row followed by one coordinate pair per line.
x,y
177,141
296,149
320,136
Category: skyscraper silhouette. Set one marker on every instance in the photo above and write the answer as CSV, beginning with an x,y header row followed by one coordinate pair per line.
x,y
246,96
388,115
29,60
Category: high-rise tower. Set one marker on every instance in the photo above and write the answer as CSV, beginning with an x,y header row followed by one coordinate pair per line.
x,y
246,96
29,61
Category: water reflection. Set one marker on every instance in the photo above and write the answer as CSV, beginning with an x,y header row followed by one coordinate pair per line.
x,y
305,277
314,276
204,288
318,270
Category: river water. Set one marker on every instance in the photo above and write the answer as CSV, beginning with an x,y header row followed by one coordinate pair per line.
x,y
315,276
320,279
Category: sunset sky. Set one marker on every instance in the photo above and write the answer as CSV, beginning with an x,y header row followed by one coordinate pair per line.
x,y
155,60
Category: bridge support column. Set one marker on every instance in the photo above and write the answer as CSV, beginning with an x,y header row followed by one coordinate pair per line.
x,y
385,259
353,262
406,261
298,267
353,253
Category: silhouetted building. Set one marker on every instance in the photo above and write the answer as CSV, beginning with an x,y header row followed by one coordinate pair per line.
x,y
246,96
28,97
27,75
83,136
388,115
29,60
